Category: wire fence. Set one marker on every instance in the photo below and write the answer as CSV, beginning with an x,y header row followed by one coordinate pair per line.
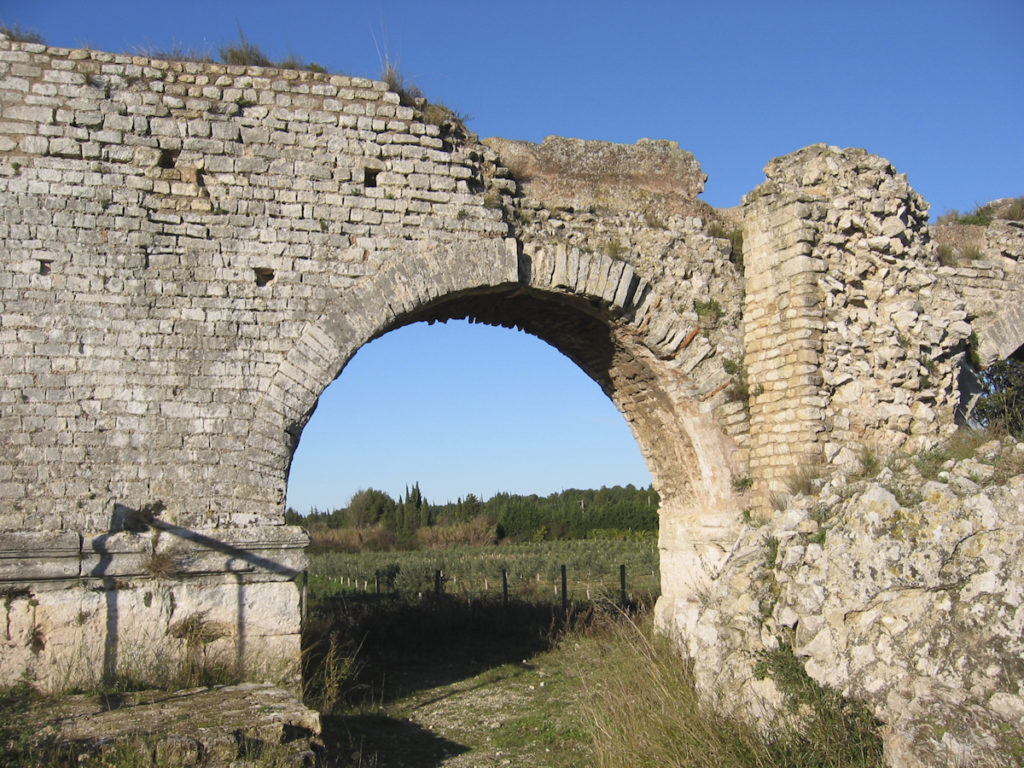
x,y
549,572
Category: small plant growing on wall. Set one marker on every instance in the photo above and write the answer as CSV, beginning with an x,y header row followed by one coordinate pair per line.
x,y
709,311
197,632
162,565
19,35
614,249
740,390
946,255
735,238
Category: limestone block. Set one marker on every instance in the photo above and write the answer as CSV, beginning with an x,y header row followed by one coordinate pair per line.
x,y
28,556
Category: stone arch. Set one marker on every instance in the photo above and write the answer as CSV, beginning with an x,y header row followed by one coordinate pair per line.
x,y
594,309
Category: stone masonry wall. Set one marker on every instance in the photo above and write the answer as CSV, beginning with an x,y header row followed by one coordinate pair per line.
x,y
987,265
192,252
853,337
153,204
170,230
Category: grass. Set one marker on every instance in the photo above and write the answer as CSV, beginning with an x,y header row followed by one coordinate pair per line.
x,y
27,740
162,565
983,215
870,463
965,445
533,571
947,256
614,249
709,311
601,689
641,708
408,94
177,53
654,220
403,681
735,238
19,35
802,481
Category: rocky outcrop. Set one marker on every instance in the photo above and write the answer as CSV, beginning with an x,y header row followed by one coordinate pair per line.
x,y
903,592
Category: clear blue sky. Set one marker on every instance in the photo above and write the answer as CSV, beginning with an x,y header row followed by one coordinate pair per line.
x,y
934,86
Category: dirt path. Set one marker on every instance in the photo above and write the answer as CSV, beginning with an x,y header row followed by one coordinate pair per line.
x,y
513,715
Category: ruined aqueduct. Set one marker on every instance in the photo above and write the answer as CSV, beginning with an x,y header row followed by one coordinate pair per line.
x,y
192,253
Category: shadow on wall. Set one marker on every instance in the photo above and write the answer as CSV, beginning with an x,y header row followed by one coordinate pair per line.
x,y
146,518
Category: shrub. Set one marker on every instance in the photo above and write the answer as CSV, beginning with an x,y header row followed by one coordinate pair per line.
x,y
479,531
983,215
739,389
297,63
830,730
375,538
244,53
409,95
19,35
1002,399
771,552
709,311
947,256
740,484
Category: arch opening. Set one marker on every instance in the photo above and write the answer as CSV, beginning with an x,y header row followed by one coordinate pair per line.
x,y
460,408
687,453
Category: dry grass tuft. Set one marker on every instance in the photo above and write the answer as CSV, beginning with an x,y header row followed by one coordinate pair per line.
x,y
641,709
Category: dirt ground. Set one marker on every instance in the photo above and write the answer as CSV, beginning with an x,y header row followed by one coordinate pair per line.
x,y
519,713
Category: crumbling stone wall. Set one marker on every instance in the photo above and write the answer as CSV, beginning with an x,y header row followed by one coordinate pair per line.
x,y
192,253
985,263
853,337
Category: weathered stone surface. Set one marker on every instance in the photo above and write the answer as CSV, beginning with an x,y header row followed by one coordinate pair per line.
x,y
205,726
853,321
586,174
912,606
987,264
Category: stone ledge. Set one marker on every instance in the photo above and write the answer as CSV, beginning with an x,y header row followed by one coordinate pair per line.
x,y
204,726
164,550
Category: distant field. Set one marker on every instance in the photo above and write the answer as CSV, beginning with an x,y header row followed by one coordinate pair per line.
x,y
592,569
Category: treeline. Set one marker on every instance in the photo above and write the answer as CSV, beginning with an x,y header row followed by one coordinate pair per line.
x,y
374,520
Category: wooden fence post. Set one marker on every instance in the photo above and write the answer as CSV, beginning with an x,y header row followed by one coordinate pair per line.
x,y
622,584
565,595
504,586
